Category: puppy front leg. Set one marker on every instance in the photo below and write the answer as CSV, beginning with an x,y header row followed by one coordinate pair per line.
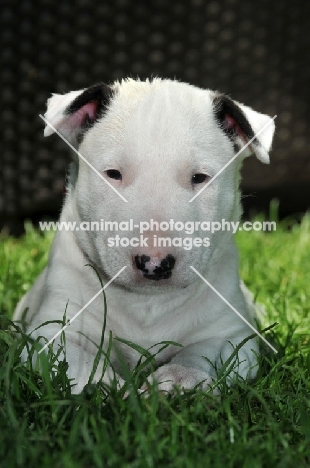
x,y
80,361
190,368
80,368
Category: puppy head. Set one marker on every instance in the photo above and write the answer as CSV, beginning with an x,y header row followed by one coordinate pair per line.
x,y
157,144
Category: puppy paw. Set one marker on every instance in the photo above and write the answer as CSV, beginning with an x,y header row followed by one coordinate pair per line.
x,y
170,376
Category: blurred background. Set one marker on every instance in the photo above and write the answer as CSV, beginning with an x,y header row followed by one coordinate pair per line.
x,y
256,53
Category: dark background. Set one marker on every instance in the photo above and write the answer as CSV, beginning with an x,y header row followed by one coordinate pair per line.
x,y
256,53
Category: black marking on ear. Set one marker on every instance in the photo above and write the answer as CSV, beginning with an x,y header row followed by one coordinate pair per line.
x,y
224,106
100,93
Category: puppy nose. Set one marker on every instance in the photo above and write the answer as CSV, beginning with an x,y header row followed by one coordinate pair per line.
x,y
155,268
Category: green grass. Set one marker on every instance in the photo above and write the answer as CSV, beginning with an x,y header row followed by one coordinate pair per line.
x,y
265,423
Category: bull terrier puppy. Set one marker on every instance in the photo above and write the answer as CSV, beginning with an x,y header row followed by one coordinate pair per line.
x,y
156,143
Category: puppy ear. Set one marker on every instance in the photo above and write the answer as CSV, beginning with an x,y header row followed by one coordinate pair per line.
x,y
72,114
241,123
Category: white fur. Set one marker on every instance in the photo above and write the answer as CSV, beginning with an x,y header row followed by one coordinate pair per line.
x,y
158,134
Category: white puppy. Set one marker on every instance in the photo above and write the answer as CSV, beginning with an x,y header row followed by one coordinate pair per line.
x,y
157,143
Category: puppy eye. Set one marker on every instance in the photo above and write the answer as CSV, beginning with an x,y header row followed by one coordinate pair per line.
x,y
114,174
199,178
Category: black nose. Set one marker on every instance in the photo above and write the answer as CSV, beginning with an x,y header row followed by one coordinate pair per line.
x,y
163,271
